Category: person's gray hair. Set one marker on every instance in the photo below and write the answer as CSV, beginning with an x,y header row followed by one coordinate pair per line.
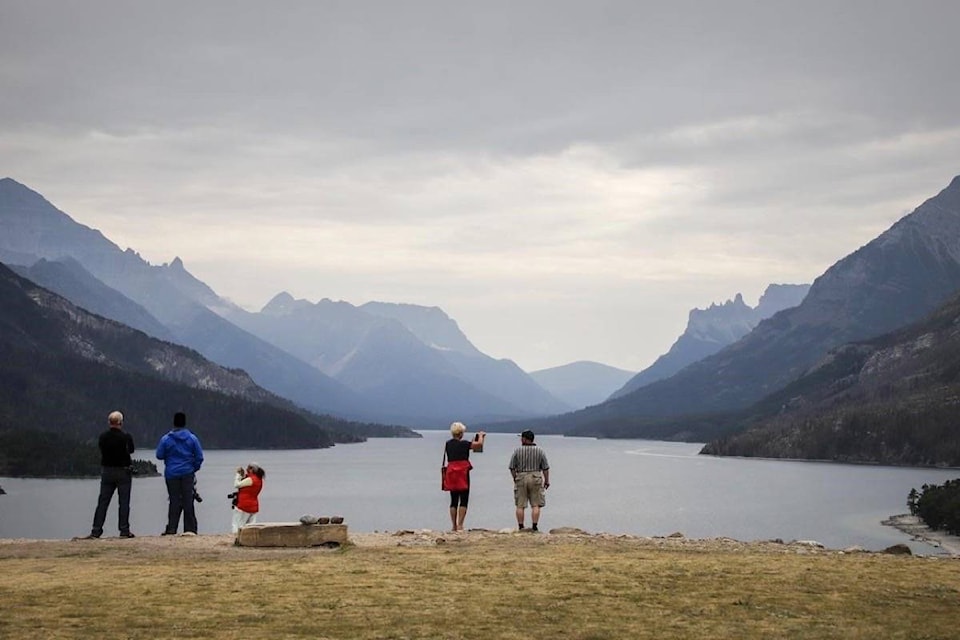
x,y
115,418
457,429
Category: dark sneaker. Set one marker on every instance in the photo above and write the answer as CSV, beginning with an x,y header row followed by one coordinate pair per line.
x,y
91,537
128,534
169,533
519,527
534,527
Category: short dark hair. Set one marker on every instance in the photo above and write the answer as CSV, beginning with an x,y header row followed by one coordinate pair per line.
x,y
527,435
179,419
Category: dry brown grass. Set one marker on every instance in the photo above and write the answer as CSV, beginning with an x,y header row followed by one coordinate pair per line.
x,y
473,587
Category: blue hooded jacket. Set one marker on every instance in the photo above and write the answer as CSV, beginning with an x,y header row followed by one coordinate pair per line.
x,y
181,453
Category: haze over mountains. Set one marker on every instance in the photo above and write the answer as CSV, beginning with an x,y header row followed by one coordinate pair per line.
x,y
581,384
734,368
388,363
711,329
413,359
33,229
898,278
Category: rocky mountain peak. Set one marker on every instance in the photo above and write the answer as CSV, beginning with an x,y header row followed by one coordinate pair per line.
x,y
721,322
709,330
280,305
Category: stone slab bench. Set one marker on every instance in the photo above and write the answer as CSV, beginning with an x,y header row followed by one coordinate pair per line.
x,y
292,534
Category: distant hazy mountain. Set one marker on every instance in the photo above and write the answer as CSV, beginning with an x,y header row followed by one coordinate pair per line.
x,y
501,378
710,330
581,384
64,369
31,228
431,325
894,280
411,362
890,400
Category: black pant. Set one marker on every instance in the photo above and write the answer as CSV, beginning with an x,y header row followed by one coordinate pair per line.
x,y
112,479
180,492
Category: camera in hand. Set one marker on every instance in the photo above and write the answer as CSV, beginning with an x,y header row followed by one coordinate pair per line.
x,y
232,497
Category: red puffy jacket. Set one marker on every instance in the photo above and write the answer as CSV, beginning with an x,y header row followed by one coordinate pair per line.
x,y
247,496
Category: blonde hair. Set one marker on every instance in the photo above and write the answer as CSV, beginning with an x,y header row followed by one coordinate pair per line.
x,y
115,418
457,429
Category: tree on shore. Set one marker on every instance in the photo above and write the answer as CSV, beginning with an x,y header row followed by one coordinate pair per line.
x,y
937,505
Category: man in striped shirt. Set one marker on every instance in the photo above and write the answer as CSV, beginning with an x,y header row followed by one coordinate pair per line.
x,y
531,477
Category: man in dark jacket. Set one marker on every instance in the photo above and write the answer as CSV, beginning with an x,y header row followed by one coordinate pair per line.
x,y
116,445
182,457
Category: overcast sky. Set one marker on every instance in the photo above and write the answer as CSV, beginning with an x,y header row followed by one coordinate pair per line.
x,y
565,179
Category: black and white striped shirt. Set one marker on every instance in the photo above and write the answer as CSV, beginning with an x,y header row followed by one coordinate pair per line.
x,y
528,457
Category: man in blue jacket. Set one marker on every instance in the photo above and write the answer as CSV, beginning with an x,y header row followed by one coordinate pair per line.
x,y
182,456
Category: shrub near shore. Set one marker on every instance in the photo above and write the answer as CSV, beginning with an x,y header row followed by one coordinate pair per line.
x,y
473,585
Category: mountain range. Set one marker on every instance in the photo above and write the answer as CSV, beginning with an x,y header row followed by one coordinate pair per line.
x,y
894,280
390,363
62,369
897,278
413,359
745,380
33,229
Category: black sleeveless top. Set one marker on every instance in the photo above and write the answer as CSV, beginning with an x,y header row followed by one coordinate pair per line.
x,y
458,449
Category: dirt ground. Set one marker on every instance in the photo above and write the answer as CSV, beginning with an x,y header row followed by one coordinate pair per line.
x,y
224,544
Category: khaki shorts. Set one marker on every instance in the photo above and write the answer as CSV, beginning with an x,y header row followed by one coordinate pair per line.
x,y
528,488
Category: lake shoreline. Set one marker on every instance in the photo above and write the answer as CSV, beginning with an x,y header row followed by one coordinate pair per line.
x,y
668,488
914,527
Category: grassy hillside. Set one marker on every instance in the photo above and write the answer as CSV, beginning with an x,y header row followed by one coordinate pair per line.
x,y
501,586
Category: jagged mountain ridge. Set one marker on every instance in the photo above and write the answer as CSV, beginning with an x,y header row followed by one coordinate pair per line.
x,y
891,400
711,329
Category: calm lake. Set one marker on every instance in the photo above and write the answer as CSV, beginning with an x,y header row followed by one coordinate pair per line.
x,y
639,487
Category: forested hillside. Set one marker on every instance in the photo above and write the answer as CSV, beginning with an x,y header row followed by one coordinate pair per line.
x,y
894,399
